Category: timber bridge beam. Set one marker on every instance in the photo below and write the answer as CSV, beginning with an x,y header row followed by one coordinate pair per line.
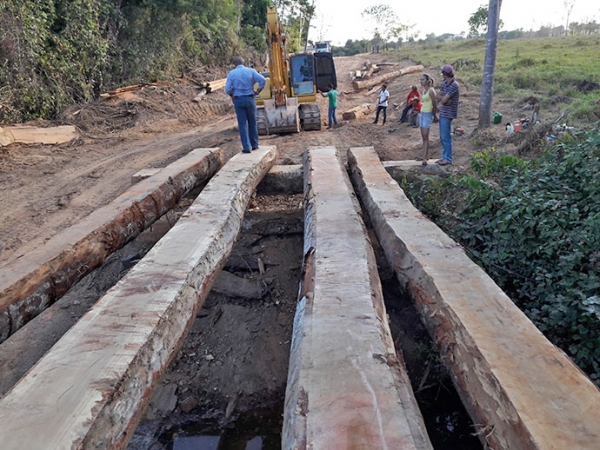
x,y
347,385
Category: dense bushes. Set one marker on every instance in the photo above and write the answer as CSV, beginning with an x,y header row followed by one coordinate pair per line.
x,y
535,228
57,52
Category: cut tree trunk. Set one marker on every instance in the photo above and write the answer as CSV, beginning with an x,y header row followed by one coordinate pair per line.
x,y
90,390
216,85
521,391
24,134
357,112
31,283
347,387
367,84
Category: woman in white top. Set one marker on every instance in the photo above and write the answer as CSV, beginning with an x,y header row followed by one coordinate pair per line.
x,y
428,113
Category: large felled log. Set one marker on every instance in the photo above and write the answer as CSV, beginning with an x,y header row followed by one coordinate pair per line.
x,y
24,134
357,112
366,84
521,391
346,388
35,280
90,389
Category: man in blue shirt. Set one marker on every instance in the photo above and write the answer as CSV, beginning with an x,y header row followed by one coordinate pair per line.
x,y
240,86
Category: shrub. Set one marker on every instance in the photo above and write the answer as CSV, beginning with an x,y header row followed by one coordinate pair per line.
x,y
535,228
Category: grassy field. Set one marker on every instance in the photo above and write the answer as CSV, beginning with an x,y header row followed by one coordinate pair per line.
x,y
562,71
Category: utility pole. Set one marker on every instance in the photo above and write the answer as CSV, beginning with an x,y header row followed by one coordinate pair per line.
x,y
489,67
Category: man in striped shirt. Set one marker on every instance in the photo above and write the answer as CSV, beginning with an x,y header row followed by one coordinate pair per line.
x,y
448,97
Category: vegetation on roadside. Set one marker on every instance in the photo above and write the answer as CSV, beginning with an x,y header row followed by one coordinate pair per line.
x,y
535,229
54,53
562,71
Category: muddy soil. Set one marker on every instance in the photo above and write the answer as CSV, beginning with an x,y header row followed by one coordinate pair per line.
x,y
234,361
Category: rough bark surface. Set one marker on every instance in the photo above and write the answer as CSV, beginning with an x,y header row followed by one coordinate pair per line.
x,y
523,392
347,387
34,281
91,388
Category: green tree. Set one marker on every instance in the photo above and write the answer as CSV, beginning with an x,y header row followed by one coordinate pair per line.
x,y
478,22
387,24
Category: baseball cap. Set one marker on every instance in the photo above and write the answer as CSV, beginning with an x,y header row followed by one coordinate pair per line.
x,y
448,69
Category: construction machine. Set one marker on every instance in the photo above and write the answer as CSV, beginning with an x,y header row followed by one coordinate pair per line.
x,y
287,104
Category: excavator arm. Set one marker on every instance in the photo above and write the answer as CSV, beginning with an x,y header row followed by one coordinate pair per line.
x,y
278,61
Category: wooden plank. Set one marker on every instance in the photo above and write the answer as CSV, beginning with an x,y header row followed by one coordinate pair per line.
x,y
366,84
25,134
521,391
125,90
90,389
347,387
216,85
35,280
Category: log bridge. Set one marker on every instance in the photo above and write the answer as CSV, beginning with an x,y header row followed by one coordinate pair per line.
x,y
347,385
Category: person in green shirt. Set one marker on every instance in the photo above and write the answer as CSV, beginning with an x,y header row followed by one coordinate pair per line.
x,y
333,95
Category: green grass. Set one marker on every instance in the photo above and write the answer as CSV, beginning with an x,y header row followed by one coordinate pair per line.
x,y
550,68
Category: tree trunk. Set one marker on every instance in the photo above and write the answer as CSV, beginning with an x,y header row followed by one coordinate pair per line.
x,y
491,46
357,112
31,283
90,390
343,370
358,85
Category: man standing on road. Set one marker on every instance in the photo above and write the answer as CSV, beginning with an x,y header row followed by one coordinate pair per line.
x,y
240,86
448,97
384,95
332,94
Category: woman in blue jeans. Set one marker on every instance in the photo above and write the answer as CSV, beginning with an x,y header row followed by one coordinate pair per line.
x,y
448,97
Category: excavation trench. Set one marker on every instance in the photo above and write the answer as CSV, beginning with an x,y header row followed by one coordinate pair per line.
x,y
227,383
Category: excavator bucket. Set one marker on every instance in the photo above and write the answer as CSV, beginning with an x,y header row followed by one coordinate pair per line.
x,y
273,119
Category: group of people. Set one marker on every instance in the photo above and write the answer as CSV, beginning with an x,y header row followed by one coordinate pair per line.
x,y
428,106
424,108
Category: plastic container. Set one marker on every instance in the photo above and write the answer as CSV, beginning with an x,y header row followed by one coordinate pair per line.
x,y
497,117
517,126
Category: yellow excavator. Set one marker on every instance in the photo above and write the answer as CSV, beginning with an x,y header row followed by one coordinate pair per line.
x,y
287,104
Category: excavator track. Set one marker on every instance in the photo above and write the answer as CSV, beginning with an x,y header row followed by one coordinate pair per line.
x,y
310,116
262,122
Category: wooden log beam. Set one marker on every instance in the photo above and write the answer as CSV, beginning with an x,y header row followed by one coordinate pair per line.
x,y
34,281
25,134
90,390
123,90
367,84
216,85
358,112
347,387
521,391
